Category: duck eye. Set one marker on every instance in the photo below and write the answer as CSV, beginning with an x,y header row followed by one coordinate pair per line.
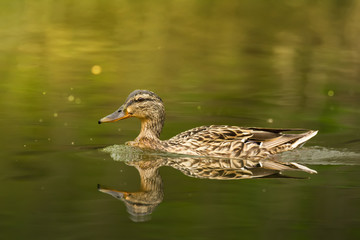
x,y
140,99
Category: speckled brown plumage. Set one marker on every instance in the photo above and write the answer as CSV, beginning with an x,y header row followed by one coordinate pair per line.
x,y
215,140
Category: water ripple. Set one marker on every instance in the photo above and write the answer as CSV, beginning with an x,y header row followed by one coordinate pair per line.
x,y
322,156
307,155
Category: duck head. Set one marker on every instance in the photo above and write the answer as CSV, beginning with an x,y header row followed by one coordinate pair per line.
x,y
144,105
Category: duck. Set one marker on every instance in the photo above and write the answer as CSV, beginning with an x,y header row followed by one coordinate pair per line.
x,y
223,141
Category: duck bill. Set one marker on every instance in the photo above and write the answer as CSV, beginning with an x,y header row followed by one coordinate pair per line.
x,y
115,116
115,193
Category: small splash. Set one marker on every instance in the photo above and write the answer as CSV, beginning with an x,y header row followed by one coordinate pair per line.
x,y
123,153
322,156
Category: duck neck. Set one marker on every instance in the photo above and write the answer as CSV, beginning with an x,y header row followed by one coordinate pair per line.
x,y
150,129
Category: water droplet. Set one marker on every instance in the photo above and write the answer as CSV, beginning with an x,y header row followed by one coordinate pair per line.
x,y
96,70
77,100
72,143
49,139
40,120
44,93
56,115
270,120
24,145
331,93
91,139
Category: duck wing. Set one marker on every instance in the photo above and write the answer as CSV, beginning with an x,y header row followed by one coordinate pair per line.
x,y
271,138
213,132
237,142
214,140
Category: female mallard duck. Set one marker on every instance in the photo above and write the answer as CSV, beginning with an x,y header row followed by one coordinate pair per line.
x,y
216,141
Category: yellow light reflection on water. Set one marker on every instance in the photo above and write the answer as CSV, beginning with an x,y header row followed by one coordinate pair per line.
x,y
96,70
331,93
71,98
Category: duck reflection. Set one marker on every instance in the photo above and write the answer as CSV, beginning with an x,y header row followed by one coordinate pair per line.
x,y
142,203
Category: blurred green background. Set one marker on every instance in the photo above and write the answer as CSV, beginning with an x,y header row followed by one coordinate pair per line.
x,y
65,64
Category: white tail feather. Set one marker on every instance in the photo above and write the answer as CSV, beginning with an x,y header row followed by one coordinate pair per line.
x,y
304,139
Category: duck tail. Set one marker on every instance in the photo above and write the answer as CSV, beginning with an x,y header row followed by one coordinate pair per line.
x,y
286,142
304,137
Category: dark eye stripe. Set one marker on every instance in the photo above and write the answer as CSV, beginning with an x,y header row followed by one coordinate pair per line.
x,y
140,99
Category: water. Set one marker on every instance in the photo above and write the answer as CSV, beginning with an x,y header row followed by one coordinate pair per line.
x,y
64,65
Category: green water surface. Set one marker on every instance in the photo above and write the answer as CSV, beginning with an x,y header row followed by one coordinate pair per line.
x,y
65,64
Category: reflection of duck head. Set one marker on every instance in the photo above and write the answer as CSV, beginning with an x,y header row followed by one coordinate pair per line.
x,y
142,203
